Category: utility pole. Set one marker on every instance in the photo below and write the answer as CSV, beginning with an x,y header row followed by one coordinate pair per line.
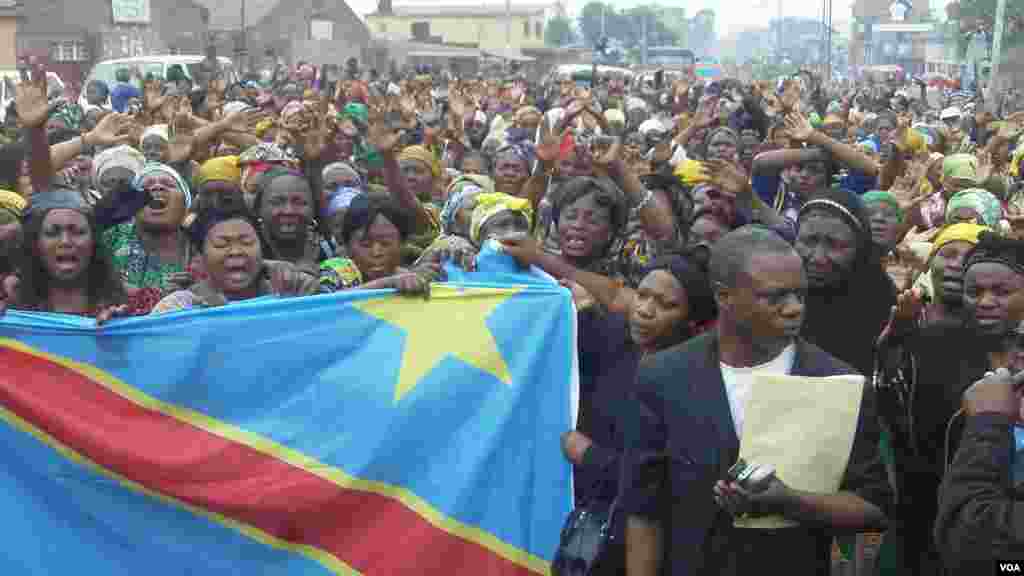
x,y
643,37
604,8
244,48
508,33
778,37
997,39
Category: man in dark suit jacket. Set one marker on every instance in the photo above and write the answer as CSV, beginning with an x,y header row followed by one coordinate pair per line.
x,y
688,403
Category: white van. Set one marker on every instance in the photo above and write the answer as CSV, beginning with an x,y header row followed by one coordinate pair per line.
x,y
156,65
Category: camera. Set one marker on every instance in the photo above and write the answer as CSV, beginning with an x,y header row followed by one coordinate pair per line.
x,y
751,477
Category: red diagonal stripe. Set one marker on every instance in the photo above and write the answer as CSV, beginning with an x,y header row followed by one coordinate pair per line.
x,y
372,533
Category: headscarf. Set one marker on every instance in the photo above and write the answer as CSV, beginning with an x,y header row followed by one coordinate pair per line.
x,y
355,112
699,297
234,106
292,108
981,201
117,157
861,302
57,199
336,172
158,168
615,116
339,199
219,169
691,172
161,130
12,206
70,114
1018,158
268,153
460,191
492,204
993,248
875,196
960,167
962,232
424,155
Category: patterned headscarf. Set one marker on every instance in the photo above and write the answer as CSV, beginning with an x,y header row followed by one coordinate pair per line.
x,y
424,155
461,190
158,168
983,202
961,232
960,167
339,199
70,114
117,157
490,205
268,153
220,169
12,206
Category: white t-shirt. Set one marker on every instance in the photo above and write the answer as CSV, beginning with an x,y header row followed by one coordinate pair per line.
x,y
740,381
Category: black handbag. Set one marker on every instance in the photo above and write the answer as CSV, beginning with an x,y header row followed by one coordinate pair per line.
x,y
591,542
593,537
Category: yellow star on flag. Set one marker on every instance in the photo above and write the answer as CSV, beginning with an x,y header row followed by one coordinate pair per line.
x,y
452,322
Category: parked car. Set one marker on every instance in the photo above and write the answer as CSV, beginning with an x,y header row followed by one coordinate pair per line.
x,y
156,65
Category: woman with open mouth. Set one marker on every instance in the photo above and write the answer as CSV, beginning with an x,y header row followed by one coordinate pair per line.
x,y
64,268
151,252
230,249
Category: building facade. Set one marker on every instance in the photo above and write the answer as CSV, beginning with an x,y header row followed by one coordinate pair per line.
x,y
290,31
489,28
892,32
10,11
71,35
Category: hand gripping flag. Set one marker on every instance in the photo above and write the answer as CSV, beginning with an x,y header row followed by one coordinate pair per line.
x,y
355,433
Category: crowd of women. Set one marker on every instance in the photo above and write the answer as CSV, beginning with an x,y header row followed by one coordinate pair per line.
x,y
201,194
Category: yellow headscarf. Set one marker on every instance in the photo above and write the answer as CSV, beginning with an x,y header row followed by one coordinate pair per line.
x,y
1018,157
962,232
12,206
422,154
691,172
219,169
491,204
262,126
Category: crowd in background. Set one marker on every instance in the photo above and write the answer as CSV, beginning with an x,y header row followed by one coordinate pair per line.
x,y
707,230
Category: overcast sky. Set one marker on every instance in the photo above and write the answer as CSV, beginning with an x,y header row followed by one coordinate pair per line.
x,y
731,15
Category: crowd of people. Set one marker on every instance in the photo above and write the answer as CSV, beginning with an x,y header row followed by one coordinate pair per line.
x,y
707,231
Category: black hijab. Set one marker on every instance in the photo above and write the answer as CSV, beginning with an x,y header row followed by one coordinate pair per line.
x,y
846,319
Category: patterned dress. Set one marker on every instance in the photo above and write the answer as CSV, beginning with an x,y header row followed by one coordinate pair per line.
x,y
144,275
339,274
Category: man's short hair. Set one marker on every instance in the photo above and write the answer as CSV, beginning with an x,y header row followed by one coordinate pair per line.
x,y
731,254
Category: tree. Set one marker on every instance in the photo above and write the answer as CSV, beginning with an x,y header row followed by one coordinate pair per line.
x,y
616,24
980,14
559,32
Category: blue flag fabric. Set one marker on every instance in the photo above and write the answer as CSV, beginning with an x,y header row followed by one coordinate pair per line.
x,y
359,432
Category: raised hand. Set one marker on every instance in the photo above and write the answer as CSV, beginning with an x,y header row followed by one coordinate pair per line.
x,y
383,137
727,178
550,147
30,100
151,97
798,126
112,130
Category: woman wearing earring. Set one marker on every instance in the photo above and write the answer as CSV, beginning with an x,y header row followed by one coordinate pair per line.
x,y
286,207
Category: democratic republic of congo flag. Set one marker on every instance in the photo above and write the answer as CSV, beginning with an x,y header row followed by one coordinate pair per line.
x,y
355,433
